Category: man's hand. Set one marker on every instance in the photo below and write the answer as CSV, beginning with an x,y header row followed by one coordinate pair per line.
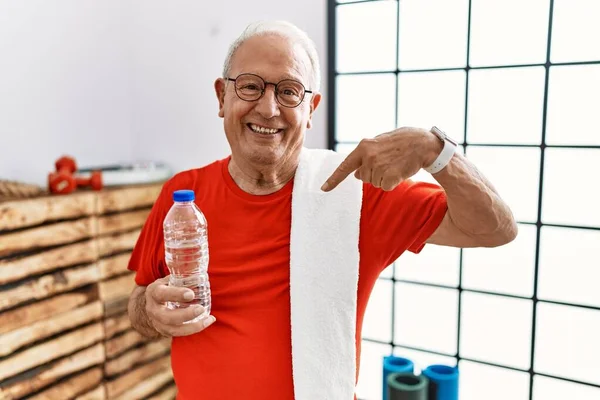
x,y
169,322
388,159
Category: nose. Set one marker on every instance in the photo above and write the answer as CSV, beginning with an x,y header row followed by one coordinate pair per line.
x,y
267,106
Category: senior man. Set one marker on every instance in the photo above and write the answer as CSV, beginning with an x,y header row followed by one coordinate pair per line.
x,y
296,244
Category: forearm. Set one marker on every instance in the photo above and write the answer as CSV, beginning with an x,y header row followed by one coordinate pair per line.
x,y
474,205
137,314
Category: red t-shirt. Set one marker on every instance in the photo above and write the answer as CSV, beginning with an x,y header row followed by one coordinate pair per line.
x,y
247,353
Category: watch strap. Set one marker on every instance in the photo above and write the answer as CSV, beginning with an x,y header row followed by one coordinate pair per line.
x,y
445,156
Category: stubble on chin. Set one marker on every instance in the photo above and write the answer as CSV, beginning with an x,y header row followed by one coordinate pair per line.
x,y
264,156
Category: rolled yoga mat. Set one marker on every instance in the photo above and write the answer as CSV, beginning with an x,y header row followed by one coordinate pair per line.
x,y
407,386
393,364
443,382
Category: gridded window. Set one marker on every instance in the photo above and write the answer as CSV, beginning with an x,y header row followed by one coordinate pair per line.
x,y
517,83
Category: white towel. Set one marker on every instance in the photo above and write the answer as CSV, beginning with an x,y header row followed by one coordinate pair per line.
x,y
323,279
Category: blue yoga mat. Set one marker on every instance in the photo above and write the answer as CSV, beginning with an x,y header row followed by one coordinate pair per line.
x,y
443,382
393,364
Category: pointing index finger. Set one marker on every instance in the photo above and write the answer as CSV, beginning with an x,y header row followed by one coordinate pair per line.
x,y
350,164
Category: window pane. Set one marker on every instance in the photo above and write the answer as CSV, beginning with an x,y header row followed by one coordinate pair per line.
x,y
573,104
506,269
366,36
496,329
569,268
570,187
345,148
422,360
371,370
378,316
426,99
506,105
566,343
365,106
515,173
426,317
479,381
441,42
508,32
434,264
574,23
387,273
547,388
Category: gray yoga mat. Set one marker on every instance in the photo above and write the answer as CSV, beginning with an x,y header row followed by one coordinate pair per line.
x,y
407,386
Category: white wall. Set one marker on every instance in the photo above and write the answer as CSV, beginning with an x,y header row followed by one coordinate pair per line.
x,y
64,85
110,81
178,52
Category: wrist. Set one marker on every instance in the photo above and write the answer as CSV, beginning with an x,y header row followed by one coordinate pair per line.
x,y
433,147
140,320
444,155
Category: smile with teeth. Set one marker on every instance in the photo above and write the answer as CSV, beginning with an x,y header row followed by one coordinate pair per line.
x,y
263,130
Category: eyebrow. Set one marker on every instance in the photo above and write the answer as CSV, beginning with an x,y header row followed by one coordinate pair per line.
x,y
287,76
281,77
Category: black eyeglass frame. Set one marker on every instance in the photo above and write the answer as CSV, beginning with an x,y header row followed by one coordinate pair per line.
x,y
275,85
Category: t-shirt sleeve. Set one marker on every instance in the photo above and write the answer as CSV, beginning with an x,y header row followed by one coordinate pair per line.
x,y
402,219
147,258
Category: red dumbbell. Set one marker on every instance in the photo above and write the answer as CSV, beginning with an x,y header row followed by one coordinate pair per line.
x,y
94,181
62,181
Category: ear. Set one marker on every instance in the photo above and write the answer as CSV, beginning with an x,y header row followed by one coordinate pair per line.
x,y
314,103
220,86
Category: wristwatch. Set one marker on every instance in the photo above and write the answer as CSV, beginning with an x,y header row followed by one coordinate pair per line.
x,y
447,153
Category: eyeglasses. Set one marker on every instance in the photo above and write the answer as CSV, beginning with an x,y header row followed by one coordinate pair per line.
x,y
288,92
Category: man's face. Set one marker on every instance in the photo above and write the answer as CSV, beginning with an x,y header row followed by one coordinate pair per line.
x,y
273,58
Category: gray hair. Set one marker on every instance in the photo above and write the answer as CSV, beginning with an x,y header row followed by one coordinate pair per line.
x,y
284,29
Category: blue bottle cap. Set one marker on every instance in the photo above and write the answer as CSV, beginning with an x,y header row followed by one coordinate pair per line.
x,y
183,195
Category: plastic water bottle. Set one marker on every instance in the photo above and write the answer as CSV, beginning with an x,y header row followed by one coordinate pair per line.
x,y
186,250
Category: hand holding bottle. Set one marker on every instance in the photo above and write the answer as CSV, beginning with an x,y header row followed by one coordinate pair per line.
x,y
174,322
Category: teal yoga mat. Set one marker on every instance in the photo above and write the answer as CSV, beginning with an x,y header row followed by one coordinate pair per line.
x,y
407,386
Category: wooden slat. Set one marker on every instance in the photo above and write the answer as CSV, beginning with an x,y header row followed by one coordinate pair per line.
x,y
73,386
113,244
50,350
114,265
99,393
112,308
31,313
18,268
53,372
47,235
121,343
147,386
127,198
47,285
168,393
130,379
116,324
24,213
55,323
122,222
116,288
136,356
